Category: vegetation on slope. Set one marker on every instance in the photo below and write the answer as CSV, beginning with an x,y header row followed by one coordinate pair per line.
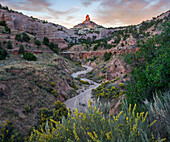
x,y
150,67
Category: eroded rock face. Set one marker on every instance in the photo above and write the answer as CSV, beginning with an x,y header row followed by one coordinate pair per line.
x,y
20,22
118,68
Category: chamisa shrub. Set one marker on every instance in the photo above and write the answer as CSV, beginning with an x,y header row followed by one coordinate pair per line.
x,y
94,126
56,113
7,133
29,57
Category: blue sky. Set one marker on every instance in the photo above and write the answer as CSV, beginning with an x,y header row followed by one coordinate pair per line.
x,y
109,13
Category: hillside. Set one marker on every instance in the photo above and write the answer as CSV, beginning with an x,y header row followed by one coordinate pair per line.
x,y
30,83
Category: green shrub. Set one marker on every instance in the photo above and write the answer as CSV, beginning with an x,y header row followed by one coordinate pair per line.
x,y
122,44
74,86
25,37
95,47
3,23
46,41
7,29
54,47
78,64
107,56
150,68
94,125
21,49
9,45
29,57
37,42
18,37
3,53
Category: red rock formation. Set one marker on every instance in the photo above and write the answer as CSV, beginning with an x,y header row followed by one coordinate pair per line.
x,y
87,18
86,24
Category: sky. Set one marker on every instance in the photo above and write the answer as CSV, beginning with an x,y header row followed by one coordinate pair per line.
x,y
108,13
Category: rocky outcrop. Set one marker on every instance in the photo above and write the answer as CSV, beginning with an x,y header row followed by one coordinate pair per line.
x,y
117,68
87,24
36,27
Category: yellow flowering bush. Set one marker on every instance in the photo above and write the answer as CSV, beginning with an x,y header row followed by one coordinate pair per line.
x,y
7,133
108,90
52,84
56,113
94,126
121,84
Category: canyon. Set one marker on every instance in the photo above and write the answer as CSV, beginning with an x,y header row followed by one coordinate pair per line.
x,y
69,68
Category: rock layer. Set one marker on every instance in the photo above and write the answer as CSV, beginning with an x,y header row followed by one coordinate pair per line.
x,y
36,27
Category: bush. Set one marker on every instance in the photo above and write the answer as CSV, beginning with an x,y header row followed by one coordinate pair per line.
x,y
107,56
159,109
95,47
9,45
107,90
122,44
58,111
18,37
84,82
95,125
74,86
21,49
25,37
7,29
37,42
46,41
52,84
3,23
54,47
29,57
3,53
151,68
7,133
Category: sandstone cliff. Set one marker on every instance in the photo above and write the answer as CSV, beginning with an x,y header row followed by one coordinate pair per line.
x,y
36,27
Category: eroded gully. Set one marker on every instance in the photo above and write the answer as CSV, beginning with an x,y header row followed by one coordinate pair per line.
x,y
83,97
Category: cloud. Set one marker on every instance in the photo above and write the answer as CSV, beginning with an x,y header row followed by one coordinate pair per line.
x,y
127,12
69,18
43,6
105,12
87,3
